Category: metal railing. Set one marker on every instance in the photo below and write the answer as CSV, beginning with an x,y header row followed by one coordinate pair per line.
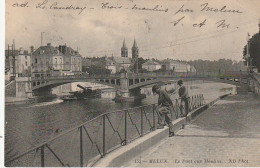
x,y
92,140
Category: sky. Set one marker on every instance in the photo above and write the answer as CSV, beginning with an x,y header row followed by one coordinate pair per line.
x,y
98,30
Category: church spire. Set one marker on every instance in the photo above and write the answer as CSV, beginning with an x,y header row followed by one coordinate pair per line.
x,y
135,45
124,50
124,46
135,50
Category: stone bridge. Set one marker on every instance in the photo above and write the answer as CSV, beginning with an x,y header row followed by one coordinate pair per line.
x,y
129,84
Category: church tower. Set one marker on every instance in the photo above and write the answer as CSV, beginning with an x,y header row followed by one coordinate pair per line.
x,y
135,51
124,50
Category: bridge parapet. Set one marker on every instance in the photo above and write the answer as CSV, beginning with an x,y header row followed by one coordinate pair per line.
x,y
130,81
256,83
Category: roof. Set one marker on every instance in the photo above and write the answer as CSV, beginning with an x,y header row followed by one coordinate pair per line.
x,y
122,60
151,62
48,50
173,62
124,45
110,62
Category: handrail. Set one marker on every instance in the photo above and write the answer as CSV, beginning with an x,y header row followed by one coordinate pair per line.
x,y
198,100
73,128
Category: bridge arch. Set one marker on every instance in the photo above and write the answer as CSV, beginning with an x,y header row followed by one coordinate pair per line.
x,y
53,84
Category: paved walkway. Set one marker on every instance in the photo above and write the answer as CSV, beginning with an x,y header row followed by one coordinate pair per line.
x,y
227,134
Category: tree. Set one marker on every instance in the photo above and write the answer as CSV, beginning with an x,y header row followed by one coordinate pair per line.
x,y
140,62
254,51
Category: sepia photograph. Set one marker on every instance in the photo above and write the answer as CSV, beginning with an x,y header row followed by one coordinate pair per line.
x,y
131,83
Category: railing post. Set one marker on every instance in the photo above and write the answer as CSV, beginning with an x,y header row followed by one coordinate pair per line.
x,y
189,105
153,117
81,148
104,135
42,156
200,100
142,124
177,108
125,127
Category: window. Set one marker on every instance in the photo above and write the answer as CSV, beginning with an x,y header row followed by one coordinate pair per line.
x,y
60,60
56,61
26,57
36,60
26,63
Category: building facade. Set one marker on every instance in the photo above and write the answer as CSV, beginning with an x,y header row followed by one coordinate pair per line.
x,y
55,61
18,63
116,64
151,65
175,66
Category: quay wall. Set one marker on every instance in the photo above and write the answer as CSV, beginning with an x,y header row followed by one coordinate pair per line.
x,y
124,154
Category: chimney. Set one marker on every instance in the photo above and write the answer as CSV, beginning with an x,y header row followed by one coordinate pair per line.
x,y
64,49
32,49
48,44
60,48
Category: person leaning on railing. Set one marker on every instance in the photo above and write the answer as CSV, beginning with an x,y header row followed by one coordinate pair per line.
x,y
163,109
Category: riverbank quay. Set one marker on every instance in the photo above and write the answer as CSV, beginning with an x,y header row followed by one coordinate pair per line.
x,y
54,130
16,100
122,155
227,134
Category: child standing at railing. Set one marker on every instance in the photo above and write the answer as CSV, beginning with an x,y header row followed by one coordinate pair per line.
x,y
183,94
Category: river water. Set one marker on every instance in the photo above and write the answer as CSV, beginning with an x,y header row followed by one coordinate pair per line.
x,y
27,125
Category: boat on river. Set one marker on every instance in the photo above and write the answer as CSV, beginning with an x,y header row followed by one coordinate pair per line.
x,y
85,93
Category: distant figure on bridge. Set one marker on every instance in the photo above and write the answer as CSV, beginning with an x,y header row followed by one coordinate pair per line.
x,y
183,94
163,109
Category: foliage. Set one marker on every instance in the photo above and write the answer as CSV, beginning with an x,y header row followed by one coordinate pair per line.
x,y
221,65
254,51
96,70
139,62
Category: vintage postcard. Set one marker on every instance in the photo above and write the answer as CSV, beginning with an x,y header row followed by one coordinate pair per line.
x,y
131,83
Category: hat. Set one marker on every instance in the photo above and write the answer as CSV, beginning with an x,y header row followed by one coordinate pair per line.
x,y
179,82
155,87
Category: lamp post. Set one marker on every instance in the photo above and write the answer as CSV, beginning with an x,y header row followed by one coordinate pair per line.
x,y
248,59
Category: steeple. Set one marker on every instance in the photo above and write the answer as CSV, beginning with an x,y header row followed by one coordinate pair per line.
x,y
135,50
124,46
135,45
124,50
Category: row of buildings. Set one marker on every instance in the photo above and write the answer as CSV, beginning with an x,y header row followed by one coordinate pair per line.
x,y
63,60
44,61
168,65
